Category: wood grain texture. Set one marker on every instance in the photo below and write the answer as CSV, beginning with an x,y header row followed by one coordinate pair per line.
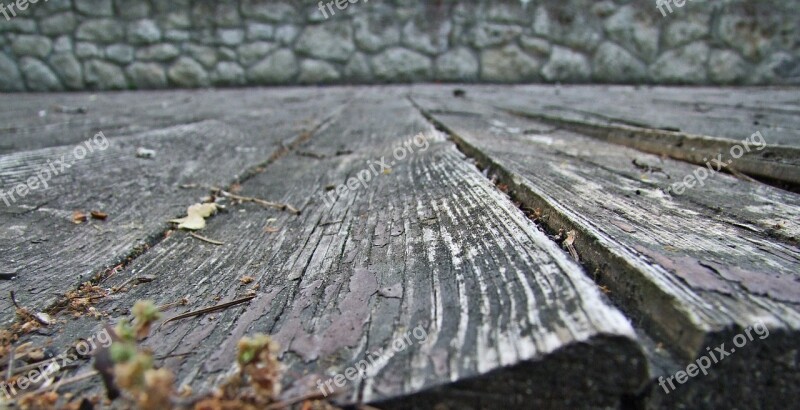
x,y
693,125
691,272
431,244
34,121
49,254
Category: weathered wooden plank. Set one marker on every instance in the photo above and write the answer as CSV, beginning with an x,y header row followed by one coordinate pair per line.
x,y
718,112
127,113
432,244
49,254
689,274
695,128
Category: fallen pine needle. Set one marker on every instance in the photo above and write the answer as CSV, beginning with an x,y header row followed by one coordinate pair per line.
x,y
740,175
261,202
204,239
208,309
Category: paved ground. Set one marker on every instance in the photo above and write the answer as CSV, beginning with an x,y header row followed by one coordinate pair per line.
x,y
468,246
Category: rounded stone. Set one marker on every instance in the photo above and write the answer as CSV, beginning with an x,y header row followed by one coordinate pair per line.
x,y
146,75
535,45
286,34
102,31
426,36
103,75
176,20
558,21
280,67
327,42
252,53
28,45
614,64
176,35
62,44
567,66
207,56
269,11
158,52
38,76
95,7
457,65
726,67
491,34
398,64
68,68
374,32
53,6
746,34
11,80
260,31
516,12
62,23
776,69
230,37
120,53
144,32
685,31
634,29
509,64
187,72
18,25
133,9
317,72
226,54
357,68
685,65
86,50
228,73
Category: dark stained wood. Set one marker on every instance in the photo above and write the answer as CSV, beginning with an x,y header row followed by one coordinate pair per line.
x,y
694,125
49,254
693,270
434,243
430,245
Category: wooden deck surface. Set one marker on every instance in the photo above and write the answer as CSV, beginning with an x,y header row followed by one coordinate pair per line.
x,y
532,233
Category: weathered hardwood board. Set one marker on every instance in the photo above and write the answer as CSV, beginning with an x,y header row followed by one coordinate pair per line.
x,y
689,274
430,244
126,113
760,208
695,128
49,254
719,112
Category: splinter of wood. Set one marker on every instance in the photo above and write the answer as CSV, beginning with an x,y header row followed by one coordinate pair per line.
x,y
204,239
28,312
137,279
208,310
259,201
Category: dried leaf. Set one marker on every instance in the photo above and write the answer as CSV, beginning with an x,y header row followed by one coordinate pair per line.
x,y
195,216
570,238
78,217
99,215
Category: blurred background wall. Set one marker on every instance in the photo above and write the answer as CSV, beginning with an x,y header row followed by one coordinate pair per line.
x,y
143,44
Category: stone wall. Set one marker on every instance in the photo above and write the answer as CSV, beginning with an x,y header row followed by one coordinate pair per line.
x,y
140,44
